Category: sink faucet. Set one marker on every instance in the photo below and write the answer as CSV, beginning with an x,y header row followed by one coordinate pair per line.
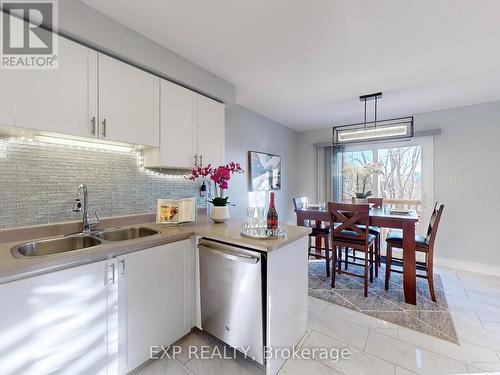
x,y
79,207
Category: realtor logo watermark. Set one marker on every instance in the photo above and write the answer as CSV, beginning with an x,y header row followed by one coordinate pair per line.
x,y
25,43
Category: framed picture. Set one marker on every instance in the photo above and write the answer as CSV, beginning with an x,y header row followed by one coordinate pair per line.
x,y
264,171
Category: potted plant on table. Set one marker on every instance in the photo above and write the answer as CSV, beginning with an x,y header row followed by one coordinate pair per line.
x,y
363,173
220,177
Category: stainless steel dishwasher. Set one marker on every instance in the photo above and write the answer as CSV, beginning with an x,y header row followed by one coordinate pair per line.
x,y
231,296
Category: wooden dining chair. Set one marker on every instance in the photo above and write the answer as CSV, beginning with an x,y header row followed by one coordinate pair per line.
x,y
376,231
322,232
422,244
350,223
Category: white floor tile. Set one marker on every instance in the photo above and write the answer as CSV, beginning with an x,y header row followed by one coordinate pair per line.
x,y
328,324
412,357
217,366
303,366
197,339
318,304
483,368
484,311
403,371
492,326
358,318
165,366
360,363
465,352
464,316
482,338
484,297
392,332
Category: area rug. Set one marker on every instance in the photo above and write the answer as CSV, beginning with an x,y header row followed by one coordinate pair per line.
x,y
432,318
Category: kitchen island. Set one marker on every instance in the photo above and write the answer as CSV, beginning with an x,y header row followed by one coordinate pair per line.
x,y
143,278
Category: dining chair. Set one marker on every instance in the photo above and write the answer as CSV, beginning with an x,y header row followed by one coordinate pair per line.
x,y
350,223
376,231
322,232
422,244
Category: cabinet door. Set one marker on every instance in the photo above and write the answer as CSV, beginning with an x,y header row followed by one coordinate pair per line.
x,y
62,100
128,103
6,97
156,299
55,323
177,129
211,131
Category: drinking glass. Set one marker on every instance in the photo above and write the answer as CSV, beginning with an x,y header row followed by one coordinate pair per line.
x,y
251,216
261,220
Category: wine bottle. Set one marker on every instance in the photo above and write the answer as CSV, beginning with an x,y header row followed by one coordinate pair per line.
x,y
272,215
203,189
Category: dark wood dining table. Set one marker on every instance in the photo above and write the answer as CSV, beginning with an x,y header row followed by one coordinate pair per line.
x,y
381,217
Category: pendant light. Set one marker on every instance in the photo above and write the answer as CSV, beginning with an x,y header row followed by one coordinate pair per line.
x,y
401,128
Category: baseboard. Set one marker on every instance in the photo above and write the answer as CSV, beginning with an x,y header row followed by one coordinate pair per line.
x,y
485,269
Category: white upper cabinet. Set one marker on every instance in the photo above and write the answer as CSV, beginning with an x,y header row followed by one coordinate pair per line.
x,y
177,128
61,100
128,103
211,131
191,130
6,97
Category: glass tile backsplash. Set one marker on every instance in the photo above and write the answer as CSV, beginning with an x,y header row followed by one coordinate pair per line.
x,y
39,180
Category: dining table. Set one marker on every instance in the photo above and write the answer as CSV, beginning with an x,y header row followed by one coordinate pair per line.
x,y
380,217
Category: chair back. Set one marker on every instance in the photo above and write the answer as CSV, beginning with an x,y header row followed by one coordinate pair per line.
x,y
349,217
377,202
300,202
433,225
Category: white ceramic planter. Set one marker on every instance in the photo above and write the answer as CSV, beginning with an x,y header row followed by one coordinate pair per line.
x,y
359,200
220,214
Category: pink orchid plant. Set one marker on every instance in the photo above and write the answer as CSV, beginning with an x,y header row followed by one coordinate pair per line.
x,y
220,176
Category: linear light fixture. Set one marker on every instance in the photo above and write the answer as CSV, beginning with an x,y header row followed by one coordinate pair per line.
x,y
374,131
83,143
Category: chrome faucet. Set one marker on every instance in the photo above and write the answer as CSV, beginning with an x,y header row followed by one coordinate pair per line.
x,y
88,224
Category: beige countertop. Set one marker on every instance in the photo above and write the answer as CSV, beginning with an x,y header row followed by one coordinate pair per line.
x,y
12,268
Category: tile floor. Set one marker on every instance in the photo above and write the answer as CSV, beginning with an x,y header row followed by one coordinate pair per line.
x,y
377,346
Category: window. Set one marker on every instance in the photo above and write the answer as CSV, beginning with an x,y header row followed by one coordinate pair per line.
x,y
393,173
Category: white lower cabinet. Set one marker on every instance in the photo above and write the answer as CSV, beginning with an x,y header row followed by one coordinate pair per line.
x,y
100,318
157,299
56,323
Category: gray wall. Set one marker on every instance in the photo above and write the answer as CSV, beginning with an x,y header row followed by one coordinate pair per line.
x,y
93,28
250,131
468,150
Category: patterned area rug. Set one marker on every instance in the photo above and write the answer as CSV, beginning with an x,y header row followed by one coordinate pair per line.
x,y
433,318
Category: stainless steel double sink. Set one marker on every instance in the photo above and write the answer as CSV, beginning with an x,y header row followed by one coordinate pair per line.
x,y
79,241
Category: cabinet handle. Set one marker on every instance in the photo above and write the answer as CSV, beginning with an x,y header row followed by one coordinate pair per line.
x,y
123,266
104,128
196,160
201,160
112,278
92,121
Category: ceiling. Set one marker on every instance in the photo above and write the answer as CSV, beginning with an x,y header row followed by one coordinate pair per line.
x,y
304,63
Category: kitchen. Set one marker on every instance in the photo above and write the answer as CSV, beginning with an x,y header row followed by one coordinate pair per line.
x,y
250,187
90,282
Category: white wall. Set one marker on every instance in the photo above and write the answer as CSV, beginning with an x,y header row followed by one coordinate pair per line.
x,y
468,149
250,131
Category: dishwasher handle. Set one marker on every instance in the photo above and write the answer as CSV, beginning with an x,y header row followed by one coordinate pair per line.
x,y
230,254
